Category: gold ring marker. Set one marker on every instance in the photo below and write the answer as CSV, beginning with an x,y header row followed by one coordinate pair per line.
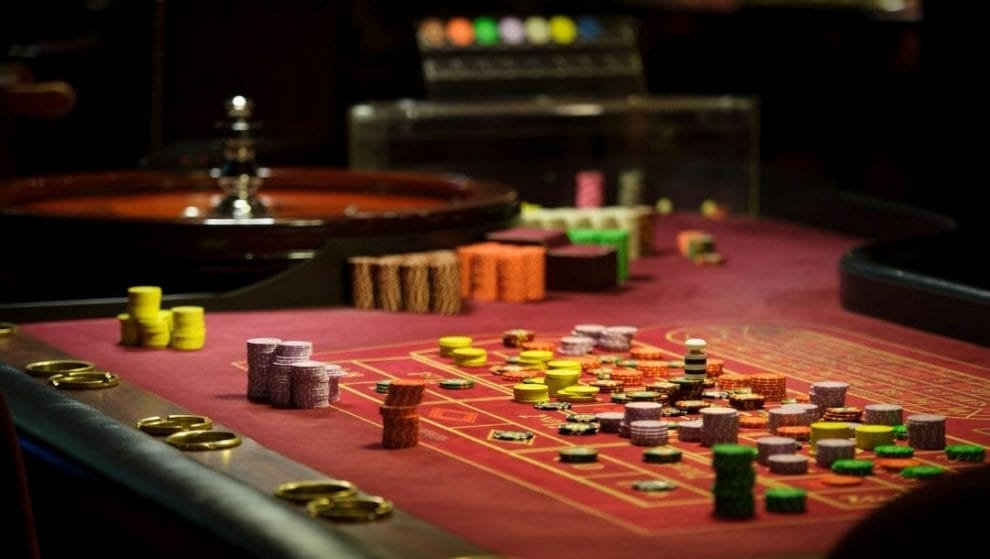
x,y
171,424
87,380
58,366
7,328
306,491
365,508
201,439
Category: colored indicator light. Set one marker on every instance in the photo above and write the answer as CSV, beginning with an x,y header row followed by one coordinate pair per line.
x,y
485,31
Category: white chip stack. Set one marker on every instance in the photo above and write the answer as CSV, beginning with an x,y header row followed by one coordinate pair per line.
x,y
695,359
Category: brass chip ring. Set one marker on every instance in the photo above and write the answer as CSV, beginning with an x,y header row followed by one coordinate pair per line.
x,y
365,508
88,380
171,424
201,439
58,366
306,491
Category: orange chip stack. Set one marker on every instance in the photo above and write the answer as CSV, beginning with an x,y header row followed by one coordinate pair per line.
x,y
645,353
628,377
535,258
713,368
512,284
753,422
652,370
588,363
539,345
732,381
796,432
773,386
400,428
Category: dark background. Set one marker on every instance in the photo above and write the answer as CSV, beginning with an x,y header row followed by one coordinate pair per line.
x,y
856,103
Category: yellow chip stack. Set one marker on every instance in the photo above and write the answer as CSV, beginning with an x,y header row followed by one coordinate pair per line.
x,y
188,328
564,364
535,358
144,303
129,334
470,356
578,394
157,332
869,437
559,379
449,343
529,393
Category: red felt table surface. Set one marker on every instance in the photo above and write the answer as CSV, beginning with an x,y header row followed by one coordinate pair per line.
x,y
773,306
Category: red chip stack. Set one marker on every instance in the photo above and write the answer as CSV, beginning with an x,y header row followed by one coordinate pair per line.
x,y
399,416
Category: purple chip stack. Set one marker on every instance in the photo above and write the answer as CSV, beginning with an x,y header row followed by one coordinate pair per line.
x,y
926,432
648,432
883,414
609,421
788,464
828,394
811,411
719,425
690,431
637,411
769,446
280,378
593,331
259,358
576,345
617,338
830,450
310,384
335,372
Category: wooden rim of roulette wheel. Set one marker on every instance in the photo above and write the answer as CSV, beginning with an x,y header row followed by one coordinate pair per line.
x,y
236,237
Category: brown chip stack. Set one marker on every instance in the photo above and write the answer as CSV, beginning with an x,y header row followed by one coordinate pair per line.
x,y
400,427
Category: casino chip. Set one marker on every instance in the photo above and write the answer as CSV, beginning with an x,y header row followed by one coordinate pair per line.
x,y
457,383
922,472
577,428
654,485
662,455
553,406
582,418
512,435
578,454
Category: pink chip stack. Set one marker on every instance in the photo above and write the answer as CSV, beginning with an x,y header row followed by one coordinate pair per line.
x,y
280,378
310,384
259,358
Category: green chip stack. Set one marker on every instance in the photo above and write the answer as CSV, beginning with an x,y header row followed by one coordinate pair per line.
x,y
900,432
966,452
922,472
893,451
734,480
853,467
786,500
616,238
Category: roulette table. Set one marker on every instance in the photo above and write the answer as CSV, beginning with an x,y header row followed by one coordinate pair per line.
x,y
772,307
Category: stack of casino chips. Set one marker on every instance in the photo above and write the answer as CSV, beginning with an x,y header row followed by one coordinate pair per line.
x,y
785,415
730,382
788,464
735,478
334,373
785,500
400,418
648,432
638,411
422,282
576,345
593,331
630,192
768,446
828,451
695,359
559,379
869,437
828,394
829,430
286,353
617,338
632,228
926,431
883,414
690,431
188,328
145,323
530,393
310,384
517,336
719,425
492,271
773,386
260,352
589,189
609,421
